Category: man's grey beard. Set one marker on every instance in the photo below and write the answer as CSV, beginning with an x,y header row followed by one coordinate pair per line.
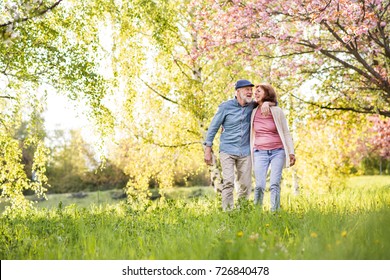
x,y
248,100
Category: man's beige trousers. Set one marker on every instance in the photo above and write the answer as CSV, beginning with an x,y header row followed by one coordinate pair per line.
x,y
244,178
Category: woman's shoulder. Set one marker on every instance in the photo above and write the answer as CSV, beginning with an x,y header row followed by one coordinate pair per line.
x,y
277,111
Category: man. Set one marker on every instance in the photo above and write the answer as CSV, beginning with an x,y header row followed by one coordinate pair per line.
x,y
234,116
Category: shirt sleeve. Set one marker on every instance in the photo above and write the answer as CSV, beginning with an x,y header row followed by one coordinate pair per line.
x,y
215,125
287,134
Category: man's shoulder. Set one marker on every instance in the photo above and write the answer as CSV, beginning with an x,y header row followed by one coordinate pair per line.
x,y
227,103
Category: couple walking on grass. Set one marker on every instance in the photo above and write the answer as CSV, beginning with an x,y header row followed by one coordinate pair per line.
x,y
254,133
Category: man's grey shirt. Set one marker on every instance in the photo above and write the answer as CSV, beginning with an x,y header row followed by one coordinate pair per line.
x,y
235,121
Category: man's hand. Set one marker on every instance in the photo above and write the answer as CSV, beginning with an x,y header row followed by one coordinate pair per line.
x,y
265,109
292,159
208,158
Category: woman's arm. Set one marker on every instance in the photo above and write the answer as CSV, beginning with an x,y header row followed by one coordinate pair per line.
x,y
287,134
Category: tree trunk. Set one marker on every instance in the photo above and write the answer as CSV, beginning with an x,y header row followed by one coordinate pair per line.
x,y
215,174
295,182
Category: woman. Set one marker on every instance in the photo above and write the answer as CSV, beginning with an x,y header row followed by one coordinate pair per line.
x,y
271,145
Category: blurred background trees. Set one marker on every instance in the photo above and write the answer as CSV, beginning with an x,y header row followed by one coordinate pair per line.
x,y
149,76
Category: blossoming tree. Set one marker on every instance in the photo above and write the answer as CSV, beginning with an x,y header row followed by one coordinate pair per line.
x,y
342,46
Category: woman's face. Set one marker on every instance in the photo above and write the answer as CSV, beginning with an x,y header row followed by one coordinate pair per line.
x,y
259,93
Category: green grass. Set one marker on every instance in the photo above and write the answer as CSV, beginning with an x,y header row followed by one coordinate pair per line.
x,y
105,198
352,223
369,182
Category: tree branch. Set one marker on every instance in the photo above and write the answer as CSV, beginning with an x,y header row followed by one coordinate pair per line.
x,y
326,6
369,110
385,38
382,83
364,11
282,55
7,96
3,123
180,68
35,14
169,145
375,39
159,94
177,145
384,11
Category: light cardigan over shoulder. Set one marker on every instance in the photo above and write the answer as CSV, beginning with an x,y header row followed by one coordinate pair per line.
x,y
282,128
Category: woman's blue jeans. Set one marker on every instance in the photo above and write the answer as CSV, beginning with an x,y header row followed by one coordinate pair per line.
x,y
262,161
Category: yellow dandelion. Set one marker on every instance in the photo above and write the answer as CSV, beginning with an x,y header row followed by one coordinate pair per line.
x,y
266,225
240,233
344,233
314,234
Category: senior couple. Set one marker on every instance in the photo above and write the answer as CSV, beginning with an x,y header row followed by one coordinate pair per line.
x,y
253,134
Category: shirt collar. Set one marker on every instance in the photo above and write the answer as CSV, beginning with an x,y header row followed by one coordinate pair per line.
x,y
238,104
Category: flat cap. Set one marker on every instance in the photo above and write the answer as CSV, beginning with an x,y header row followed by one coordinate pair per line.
x,y
243,83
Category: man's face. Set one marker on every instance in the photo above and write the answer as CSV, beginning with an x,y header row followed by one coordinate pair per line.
x,y
244,95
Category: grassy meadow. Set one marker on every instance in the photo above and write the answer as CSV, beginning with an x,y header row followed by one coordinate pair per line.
x,y
349,224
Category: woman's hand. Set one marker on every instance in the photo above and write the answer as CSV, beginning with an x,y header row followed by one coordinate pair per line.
x,y
292,159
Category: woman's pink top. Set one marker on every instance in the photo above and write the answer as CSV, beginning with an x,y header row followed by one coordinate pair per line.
x,y
266,134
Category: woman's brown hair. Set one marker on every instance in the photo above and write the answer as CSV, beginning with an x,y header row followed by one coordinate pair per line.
x,y
269,93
